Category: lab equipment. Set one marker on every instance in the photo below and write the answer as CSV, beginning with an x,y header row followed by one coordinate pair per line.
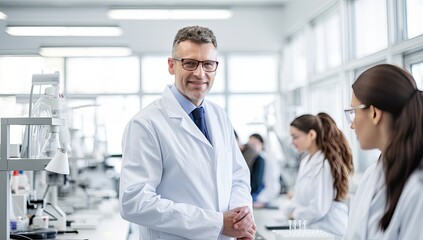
x,y
50,104
38,134
297,224
40,233
42,108
57,215
303,234
51,144
8,164
40,220
28,162
14,186
298,230
52,149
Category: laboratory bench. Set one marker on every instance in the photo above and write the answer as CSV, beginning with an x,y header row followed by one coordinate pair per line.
x,y
279,217
87,224
94,212
98,226
270,216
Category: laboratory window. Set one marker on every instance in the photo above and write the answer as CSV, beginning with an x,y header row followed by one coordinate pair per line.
x,y
294,65
250,73
113,115
370,26
97,124
147,99
417,71
219,84
414,18
16,72
326,97
102,75
327,42
247,112
155,74
218,99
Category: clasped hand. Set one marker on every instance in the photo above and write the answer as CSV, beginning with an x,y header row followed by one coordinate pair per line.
x,y
239,223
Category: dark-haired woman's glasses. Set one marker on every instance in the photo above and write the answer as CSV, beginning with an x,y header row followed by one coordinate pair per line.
x,y
350,112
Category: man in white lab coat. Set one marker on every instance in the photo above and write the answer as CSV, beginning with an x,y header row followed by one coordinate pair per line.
x,y
176,181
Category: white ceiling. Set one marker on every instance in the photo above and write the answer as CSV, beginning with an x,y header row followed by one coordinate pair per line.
x,y
256,25
139,3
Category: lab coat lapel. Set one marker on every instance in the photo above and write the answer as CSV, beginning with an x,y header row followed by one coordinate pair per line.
x,y
179,116
359,216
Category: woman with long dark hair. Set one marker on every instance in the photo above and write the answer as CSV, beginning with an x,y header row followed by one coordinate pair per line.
x,y
387,114
324,173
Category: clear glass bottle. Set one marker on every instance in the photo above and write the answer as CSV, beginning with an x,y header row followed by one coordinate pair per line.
x,y
38,133
52,144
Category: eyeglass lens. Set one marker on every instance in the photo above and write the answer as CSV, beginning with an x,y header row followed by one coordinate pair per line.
x,y
350,115
191,65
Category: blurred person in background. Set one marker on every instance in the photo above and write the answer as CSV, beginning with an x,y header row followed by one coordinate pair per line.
x,y
271,175
256,165
324,174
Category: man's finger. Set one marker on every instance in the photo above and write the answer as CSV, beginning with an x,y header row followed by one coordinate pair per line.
x,y
243,211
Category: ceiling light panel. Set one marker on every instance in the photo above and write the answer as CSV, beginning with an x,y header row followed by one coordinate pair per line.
x,y
85,51
2,16
64,31
163,14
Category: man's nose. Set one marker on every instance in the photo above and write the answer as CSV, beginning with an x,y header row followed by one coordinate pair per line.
x,y
199,72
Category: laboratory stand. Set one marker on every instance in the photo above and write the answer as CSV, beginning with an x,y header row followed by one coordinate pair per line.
x,y
90,204
8,164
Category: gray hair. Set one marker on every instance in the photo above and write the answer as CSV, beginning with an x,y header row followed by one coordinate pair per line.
x,y
196,34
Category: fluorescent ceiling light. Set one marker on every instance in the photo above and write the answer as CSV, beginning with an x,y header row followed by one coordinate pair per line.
x,y
2,16
85,51
63,31
161,14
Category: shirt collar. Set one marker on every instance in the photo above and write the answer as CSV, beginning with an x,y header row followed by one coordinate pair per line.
x,y
186,104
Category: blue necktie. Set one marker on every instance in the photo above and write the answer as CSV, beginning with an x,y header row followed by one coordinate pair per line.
x,y
200,121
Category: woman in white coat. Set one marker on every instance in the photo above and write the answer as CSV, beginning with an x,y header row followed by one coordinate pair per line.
x,y
324,173
387,114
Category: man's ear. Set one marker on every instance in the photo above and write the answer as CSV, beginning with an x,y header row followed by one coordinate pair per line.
x,y
171,66
376,115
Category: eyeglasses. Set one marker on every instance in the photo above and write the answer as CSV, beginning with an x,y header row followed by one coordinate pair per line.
x,y
350,113
192,64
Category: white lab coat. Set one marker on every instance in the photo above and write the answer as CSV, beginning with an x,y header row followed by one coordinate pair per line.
x,y
314,196
174,183
368,207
